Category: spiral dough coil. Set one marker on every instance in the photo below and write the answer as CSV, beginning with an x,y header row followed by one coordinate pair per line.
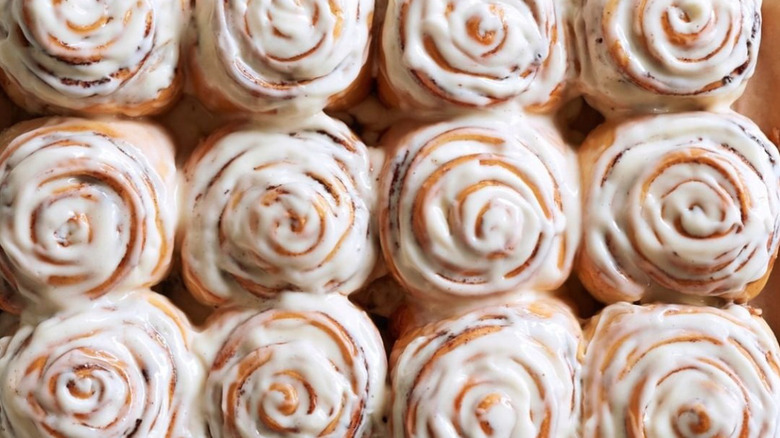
x,y
86,207
501,371
121,368
276,208
280,56
311,366
107,56
663,55
685,204
477,207
464,53
680,371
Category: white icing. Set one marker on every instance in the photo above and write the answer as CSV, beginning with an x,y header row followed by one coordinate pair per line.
x,y
661,55
508,371
474,53
310,366
77,54
478,206
122,366
85,207
279,207
680,371
263,56
687,203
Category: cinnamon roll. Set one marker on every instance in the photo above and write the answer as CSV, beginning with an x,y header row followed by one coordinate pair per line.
x,y
120,368
506,371
685,204
271,56
478,206
118,56
86,207
464,53
312,366
680,371
274,208
666,55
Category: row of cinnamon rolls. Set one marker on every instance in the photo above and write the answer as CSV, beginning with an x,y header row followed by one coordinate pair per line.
x,y
477,207
314,366
131,365
129,57
279,222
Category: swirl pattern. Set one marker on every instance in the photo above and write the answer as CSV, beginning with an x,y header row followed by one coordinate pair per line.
x,y
506,371
266,56
117,56
680,371
682,204
473,53
667,54
275,208
477,207
85,207
313,366
121,368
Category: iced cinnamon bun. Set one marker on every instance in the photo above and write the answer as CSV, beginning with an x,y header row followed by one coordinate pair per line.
x,y
667,55
272,208
685,204
281,56
118,56
468,54
86,207
477,207
120,368
680,371
311,366
507,371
